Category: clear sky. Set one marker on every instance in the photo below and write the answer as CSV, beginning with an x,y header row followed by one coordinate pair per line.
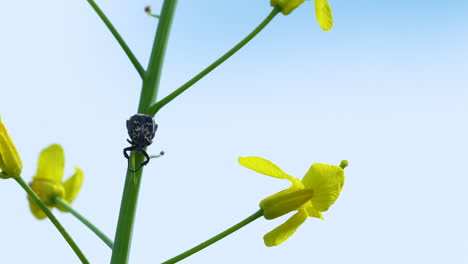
x,y
384,89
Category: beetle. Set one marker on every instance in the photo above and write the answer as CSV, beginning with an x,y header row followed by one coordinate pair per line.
x,y
141,129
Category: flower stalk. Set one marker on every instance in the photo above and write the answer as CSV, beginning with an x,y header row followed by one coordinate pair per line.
x,y
53,219
119,39
157,106
216,238
85,221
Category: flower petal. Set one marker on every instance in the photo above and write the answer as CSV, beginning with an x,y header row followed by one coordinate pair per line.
x,y
36,210
10,161
47,190
51,164
323,14
284,202
313,212
73,185
284,231
267,167
326,181
286,6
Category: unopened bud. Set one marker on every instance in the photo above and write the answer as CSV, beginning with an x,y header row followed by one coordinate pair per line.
x,y
286,6
344,164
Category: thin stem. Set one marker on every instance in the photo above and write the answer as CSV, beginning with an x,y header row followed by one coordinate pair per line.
x,y
149,13
152,15
149,91
157,106
85,221
157,156
119,39
53,219
216,238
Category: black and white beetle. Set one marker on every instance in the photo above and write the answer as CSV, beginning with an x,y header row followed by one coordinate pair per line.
x,y
141,129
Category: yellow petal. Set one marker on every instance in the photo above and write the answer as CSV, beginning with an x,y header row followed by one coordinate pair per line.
x,y
286,6
73,185
313,212
10,161
47,190
51,164
326,181
266,167
284,202
323,14
36,210
284,231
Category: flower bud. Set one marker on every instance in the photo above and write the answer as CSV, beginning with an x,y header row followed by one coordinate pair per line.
x,y
286,6
10,161
344,164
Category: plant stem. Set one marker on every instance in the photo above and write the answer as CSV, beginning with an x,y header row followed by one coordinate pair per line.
x,y
83,220
119,39
157,106
123,236
53,219
216,238
149,91
150,87
152,15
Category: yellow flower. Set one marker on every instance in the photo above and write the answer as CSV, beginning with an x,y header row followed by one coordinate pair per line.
x,y
311,196
10,161
322,10
47,183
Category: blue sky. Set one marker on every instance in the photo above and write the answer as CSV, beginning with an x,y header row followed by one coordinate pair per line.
x,y
384,89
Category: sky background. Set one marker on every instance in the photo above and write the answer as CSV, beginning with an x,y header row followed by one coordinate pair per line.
x,y
384,89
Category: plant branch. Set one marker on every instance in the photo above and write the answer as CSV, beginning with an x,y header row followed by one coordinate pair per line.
x,y
119,39
85,221
157,106
216,238
53,219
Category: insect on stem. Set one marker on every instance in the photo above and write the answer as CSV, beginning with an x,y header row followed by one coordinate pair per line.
x,y
141,129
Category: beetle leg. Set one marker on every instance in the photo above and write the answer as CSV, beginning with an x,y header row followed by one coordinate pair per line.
x,y
143,163
128,149
146,156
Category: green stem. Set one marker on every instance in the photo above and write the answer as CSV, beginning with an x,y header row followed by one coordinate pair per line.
x,y
157,106
149,91
152,15
119,39
85,221
150,87
52,218
157,156
216,238
123,235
